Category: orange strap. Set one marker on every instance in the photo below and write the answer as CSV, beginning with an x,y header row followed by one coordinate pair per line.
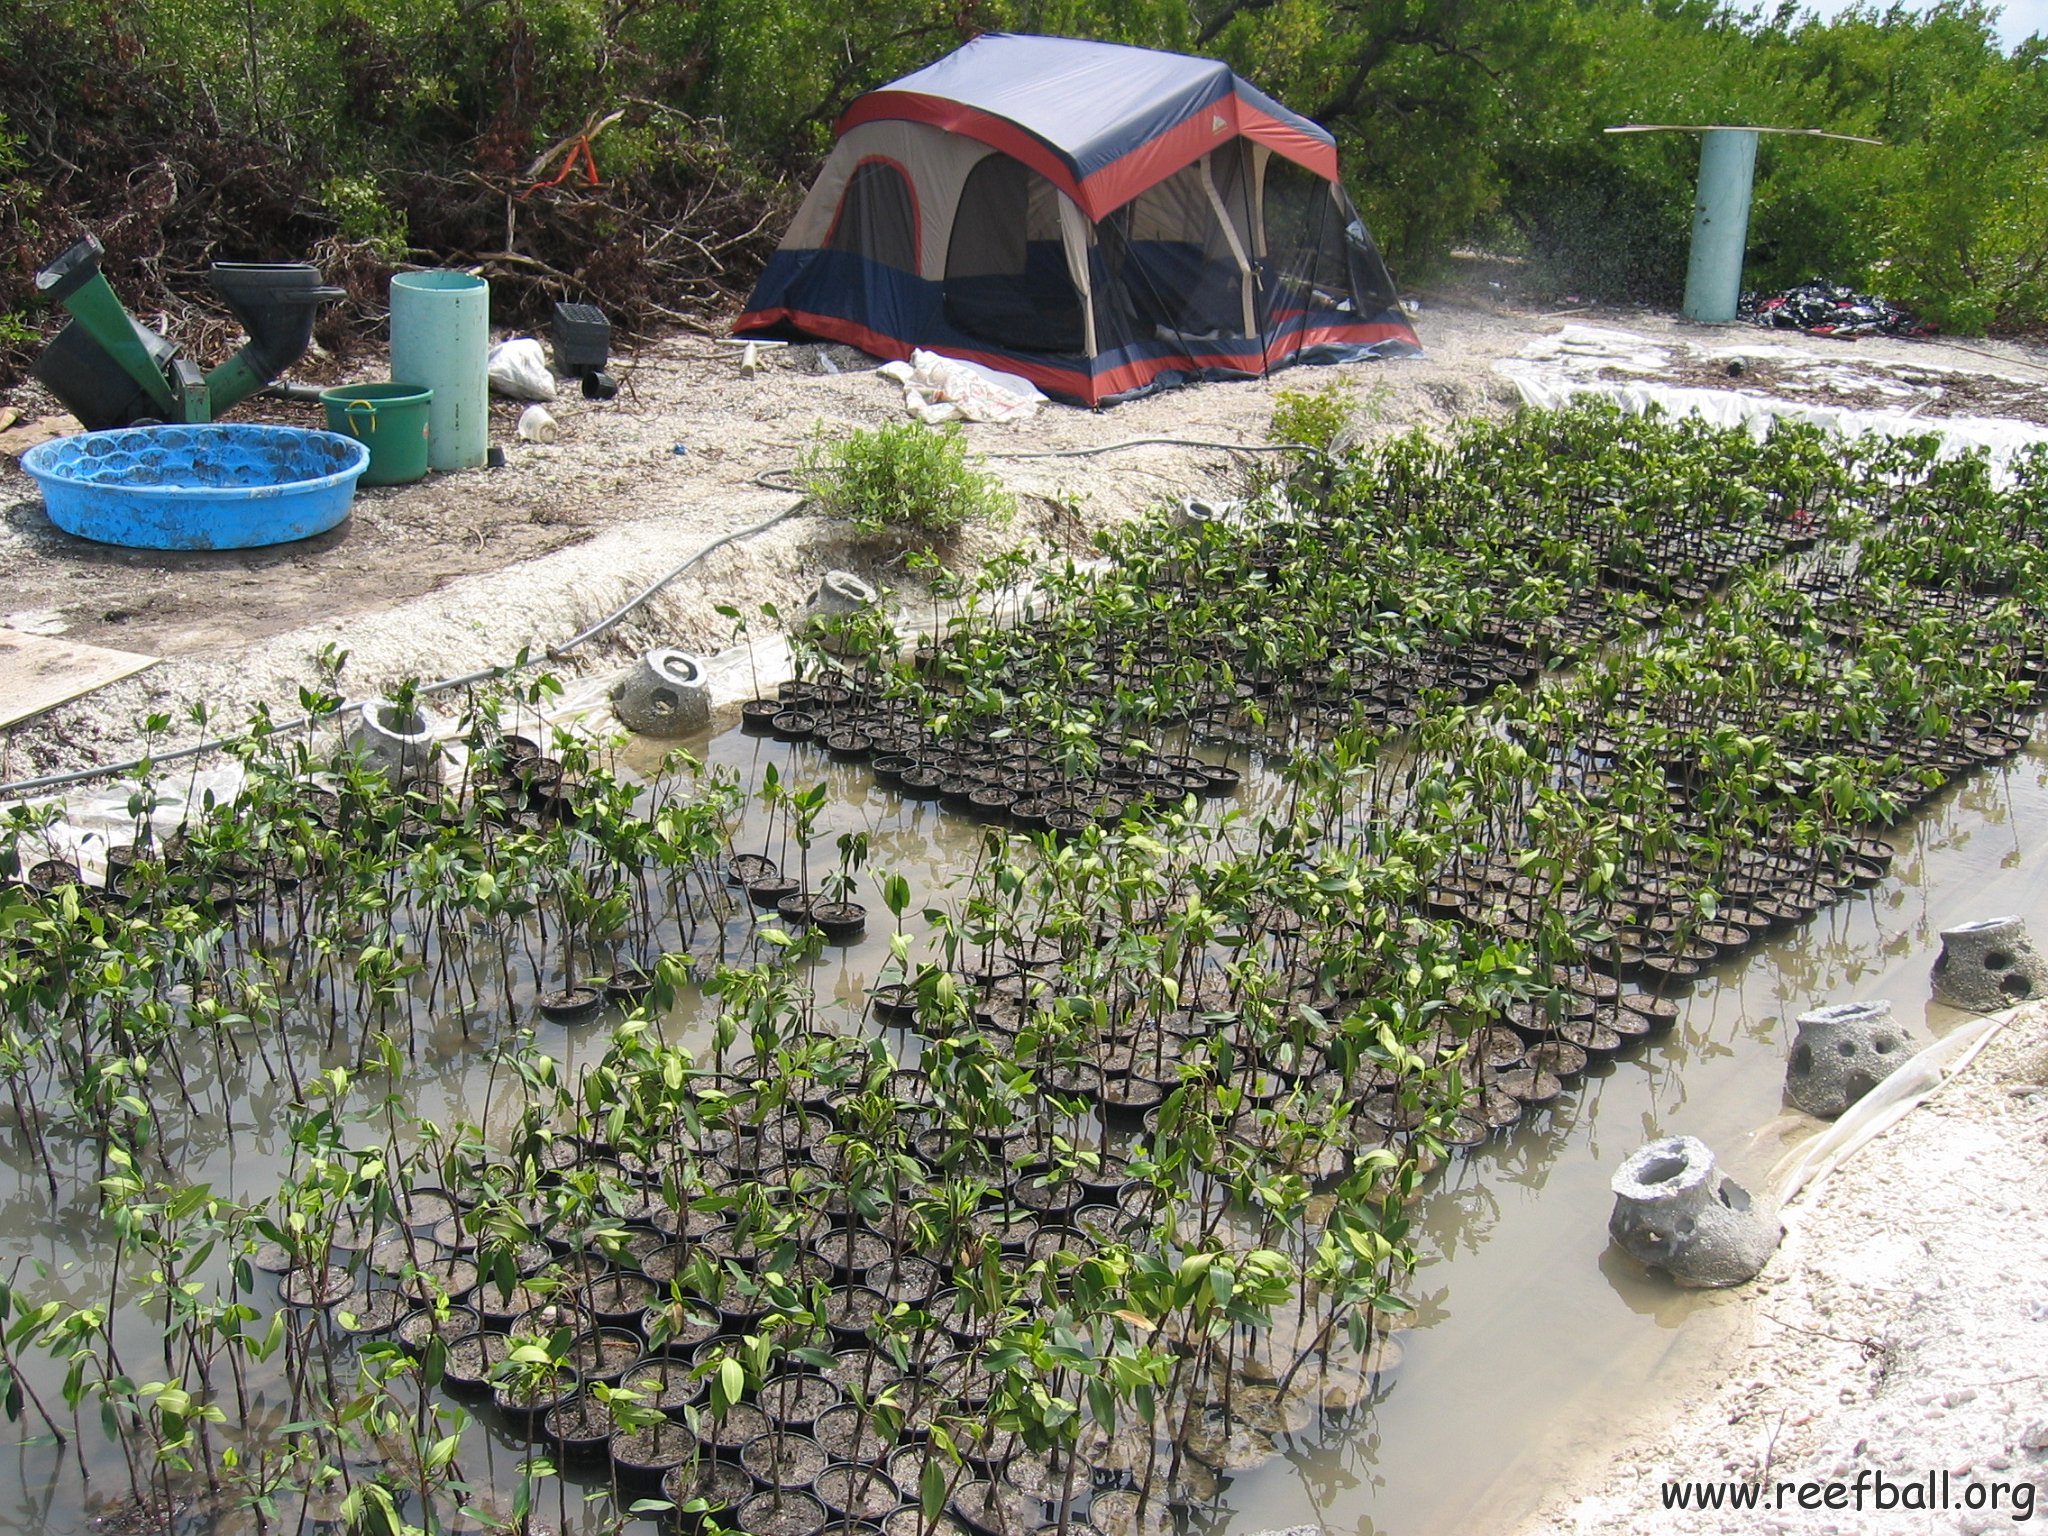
x,y
579,155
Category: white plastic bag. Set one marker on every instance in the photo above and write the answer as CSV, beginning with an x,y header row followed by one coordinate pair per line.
x,y
519,368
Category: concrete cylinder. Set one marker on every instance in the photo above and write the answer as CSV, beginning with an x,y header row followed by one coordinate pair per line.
x,y
441,340
665,695
1843,1052
1674,1212
1720,224
1987,966
395,742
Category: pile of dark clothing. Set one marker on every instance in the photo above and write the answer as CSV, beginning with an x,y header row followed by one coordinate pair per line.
x,y
1829,309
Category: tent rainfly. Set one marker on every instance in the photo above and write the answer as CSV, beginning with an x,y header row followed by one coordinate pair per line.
x,y
1103,220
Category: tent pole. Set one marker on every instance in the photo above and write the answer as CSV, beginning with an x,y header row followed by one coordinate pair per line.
x,y
1244,267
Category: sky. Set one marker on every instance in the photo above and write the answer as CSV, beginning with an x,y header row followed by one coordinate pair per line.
x,y
2022,18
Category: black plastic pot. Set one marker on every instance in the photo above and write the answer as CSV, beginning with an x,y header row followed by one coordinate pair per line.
x,y
579,1428
421,1326
856,1492
769,893
794,1399
664,1382
718,1485
850,1310
471,1360
678,1328
628,985
774,1513
618,1297
889,767
847,746
895,1002
374,1313
452,1277
784,1459
527,1409
741,1423
571,1005
840,921
907,1278
848,1434
605,1354
646,1456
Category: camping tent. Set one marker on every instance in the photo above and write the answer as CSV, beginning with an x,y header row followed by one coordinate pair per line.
x,y
1103,220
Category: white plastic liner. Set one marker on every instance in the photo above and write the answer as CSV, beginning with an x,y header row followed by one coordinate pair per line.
x,y
1556,370
1916,1080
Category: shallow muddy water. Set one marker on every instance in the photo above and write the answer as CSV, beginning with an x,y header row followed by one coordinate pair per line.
x,y
1537,1345
1532,1344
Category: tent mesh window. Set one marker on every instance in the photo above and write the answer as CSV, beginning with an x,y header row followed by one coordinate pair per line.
x,y
1318,255
1173,262
1006,269
877,218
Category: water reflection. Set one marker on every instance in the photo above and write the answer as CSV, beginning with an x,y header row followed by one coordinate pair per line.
x,y
1540,1343
1528,1334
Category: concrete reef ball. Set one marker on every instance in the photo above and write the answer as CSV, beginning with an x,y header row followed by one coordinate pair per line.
x,y
1988,966
839,596
1843,1052
396,742
664,695
1673,1211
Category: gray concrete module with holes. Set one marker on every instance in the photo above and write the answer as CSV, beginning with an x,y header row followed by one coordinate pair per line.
x,y
1842,1052
1675,1212
1989,965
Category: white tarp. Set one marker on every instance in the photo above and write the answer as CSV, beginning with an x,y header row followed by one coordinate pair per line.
x,y
1568,366
937,389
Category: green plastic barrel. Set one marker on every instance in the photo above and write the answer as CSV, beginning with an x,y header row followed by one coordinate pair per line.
x,y
390,420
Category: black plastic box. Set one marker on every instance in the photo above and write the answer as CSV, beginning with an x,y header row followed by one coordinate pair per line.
x,y
583,338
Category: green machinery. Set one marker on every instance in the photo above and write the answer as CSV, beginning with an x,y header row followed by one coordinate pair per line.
x,y
110,370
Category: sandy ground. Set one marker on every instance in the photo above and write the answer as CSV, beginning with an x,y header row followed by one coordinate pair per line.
x,y
1902,1330
464,569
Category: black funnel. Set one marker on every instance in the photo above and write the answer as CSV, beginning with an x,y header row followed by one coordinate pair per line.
x,y
275,303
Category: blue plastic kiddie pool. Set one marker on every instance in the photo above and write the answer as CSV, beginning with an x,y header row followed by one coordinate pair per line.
x,y
198,487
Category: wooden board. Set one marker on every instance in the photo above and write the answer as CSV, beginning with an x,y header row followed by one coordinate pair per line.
x,y
39,672
1805,133
17,440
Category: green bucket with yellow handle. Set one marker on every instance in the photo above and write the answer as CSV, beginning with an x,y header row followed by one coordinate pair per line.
x,y
388,419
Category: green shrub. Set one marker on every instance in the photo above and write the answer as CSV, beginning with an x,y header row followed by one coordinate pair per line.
x,y
364,216
1313,417
18,240
904,477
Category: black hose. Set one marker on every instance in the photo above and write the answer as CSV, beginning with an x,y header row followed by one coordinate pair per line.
x,y
468,679
766,480
1162,442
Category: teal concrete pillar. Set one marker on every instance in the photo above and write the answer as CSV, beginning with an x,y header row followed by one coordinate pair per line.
x,y
1720,224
